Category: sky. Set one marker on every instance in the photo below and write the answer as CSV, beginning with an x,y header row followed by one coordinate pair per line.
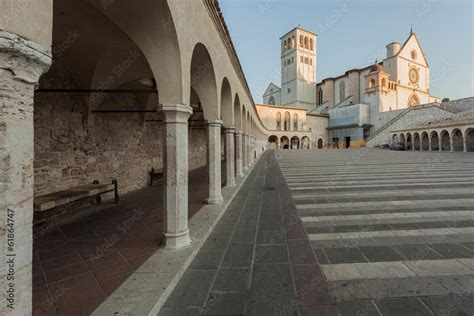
x,y
352,34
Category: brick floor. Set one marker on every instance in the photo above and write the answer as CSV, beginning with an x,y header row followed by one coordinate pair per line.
x,y
258,260
78,265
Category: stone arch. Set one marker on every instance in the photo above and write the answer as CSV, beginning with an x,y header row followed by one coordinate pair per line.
x,y
320,143
226,104
395,139
457,140
295,142
403,141
305,142
273,141
409,142
203,81
271,100
425,141
278,121
285,142
434,141
244,119
295,121
286,121
469,135
445,141
159,43
416,141
237,113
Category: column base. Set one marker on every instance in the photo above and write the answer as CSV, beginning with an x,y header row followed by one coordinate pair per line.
x,y
214,201
240,175
177,241
231,184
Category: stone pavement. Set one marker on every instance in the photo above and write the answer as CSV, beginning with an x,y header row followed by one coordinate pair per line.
x,y
393,231
257,261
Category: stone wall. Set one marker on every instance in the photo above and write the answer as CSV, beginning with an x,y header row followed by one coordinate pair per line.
x,y
69,152
422,114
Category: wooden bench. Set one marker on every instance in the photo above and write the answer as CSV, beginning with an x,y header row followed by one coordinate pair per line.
x,y
94,190
155,175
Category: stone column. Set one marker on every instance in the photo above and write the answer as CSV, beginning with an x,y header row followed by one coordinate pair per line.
x,y
239,154
440,143
244,151
214,162
22,62
230,156
464,142
175,167
429,143
451,143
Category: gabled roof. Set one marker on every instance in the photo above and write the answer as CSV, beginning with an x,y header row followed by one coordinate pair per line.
x,y
412,34
270,86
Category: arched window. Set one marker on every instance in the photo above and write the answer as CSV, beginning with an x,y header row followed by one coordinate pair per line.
x,y
320,96
287,121
293,41
285,45
311,43
342,91
295,122
306,42
372,83
301,40
278,121
384,83
413,100
271,101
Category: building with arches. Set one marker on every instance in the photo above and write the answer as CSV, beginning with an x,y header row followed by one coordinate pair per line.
x,y
360,102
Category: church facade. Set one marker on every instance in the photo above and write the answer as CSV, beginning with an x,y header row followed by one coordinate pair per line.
x,y
358,102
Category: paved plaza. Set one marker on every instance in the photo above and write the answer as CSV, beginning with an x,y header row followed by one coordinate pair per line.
x,y
393,231
348,232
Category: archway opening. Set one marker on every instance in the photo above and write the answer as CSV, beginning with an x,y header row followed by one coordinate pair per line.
x,y
402,141
305,143
409,142
434,141
416,141
284,142
445,141
320,143
273,142
295,142
458,144
470,140
287,121
425,141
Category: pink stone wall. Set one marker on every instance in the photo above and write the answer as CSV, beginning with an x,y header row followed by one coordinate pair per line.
x,y
68,152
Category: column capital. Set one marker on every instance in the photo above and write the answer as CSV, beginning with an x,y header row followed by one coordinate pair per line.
x,y
175,113
239,133
215,122
230,130
27,60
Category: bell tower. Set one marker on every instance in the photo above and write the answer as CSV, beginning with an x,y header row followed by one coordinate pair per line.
x,y
298,69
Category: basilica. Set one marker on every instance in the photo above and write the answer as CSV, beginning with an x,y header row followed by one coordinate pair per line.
x,y
353,106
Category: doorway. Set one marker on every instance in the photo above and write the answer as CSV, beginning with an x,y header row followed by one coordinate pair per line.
x,y
348,142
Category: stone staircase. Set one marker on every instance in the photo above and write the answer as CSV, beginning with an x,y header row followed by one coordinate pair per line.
x,y
389,123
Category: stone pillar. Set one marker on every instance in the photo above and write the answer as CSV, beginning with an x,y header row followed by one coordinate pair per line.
x,y
451,143
175,167
230,156
244,151
440,143
464,142
22,62
239,171
429,143
214,162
